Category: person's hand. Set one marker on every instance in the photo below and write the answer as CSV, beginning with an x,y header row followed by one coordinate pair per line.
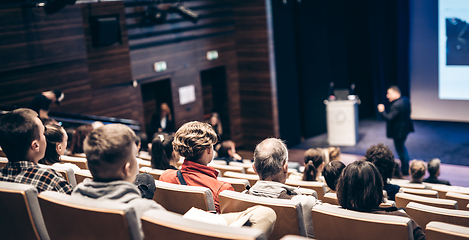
x,y
380,108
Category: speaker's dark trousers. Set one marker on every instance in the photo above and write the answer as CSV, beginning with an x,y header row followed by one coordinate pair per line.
x,y
403,154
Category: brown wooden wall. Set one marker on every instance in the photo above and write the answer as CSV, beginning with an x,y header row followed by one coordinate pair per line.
x,y
39,52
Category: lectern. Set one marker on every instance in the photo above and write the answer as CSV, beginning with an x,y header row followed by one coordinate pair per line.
x,y
342,122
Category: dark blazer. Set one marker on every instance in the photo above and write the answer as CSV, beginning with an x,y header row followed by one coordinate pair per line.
x,y
398,119
436,180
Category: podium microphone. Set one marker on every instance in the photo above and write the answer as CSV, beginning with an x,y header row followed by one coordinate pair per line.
x,y
352,89
331,89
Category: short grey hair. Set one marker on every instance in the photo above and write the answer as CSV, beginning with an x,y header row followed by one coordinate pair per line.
x,y
269,157
433,166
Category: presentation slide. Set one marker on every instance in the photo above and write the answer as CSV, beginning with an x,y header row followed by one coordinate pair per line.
x,y
453,49
439,60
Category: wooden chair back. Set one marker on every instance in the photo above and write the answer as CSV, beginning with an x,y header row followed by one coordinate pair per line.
x,y
334,222
438,230
421,192
68,217
2,154
82,175
156,173
294,237
180,198
167,225
21,216
331,198
289,213
319,187
402,199
414,185
462,199
252,178
3,162
423,214
225,168
143,163
443,189
239,185
79,161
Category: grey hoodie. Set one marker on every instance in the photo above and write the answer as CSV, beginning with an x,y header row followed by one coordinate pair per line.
x,y
120,191
272,189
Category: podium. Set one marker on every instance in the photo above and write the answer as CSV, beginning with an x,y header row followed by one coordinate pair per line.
x,y
342,122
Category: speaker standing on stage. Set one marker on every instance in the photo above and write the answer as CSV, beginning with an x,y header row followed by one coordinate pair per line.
x,y
399,124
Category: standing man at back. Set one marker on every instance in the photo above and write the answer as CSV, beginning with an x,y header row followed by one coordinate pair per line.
x,y
399,124
24,144
271,164
41,102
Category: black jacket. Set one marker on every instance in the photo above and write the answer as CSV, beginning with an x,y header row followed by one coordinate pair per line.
x,y
398,119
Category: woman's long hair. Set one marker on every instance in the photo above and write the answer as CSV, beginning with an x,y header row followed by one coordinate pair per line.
x,y
54,135
313,159
161,151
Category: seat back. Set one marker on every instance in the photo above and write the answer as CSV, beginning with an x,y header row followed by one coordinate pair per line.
x,y
180,198
82,175
143,163
421,192
414,185
252,178
443,189
423,214
438,230
293,237
462,199
68,217
20,216
319,187
331,198
79,161
225,168
402,199
239,185
157,224
334,222
289,213
156,173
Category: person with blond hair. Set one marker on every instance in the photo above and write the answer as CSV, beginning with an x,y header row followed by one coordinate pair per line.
x,y
417,171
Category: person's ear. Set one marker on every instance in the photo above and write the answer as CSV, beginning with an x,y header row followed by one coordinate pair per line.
x,y
58,147
285,167
127,171
209,150
35,146
254,168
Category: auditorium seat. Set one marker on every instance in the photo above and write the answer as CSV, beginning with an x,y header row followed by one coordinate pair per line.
x,y
3,162
156,173
462,199
82,175
239,185
423,214
415,186
143,163
68,217
289,213
421,192
79,161
443,189
334,222
331,198
21,216
225,168
439,230
219,162
2,154
319,187
252,178
294,237
180,198
167,225
402,199
66,172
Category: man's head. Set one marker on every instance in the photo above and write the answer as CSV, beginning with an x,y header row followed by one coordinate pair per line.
x,y
227,149
194,141
434,167
111,151
271,160
393,93
383,158
22,136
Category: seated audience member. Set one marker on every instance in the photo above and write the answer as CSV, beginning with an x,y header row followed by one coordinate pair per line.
x,y
417,171
227,152
434,170
360,188
24,144
334,153
76,148
97,124
332,172
383,158
314,165
162,155
56,138
271,164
